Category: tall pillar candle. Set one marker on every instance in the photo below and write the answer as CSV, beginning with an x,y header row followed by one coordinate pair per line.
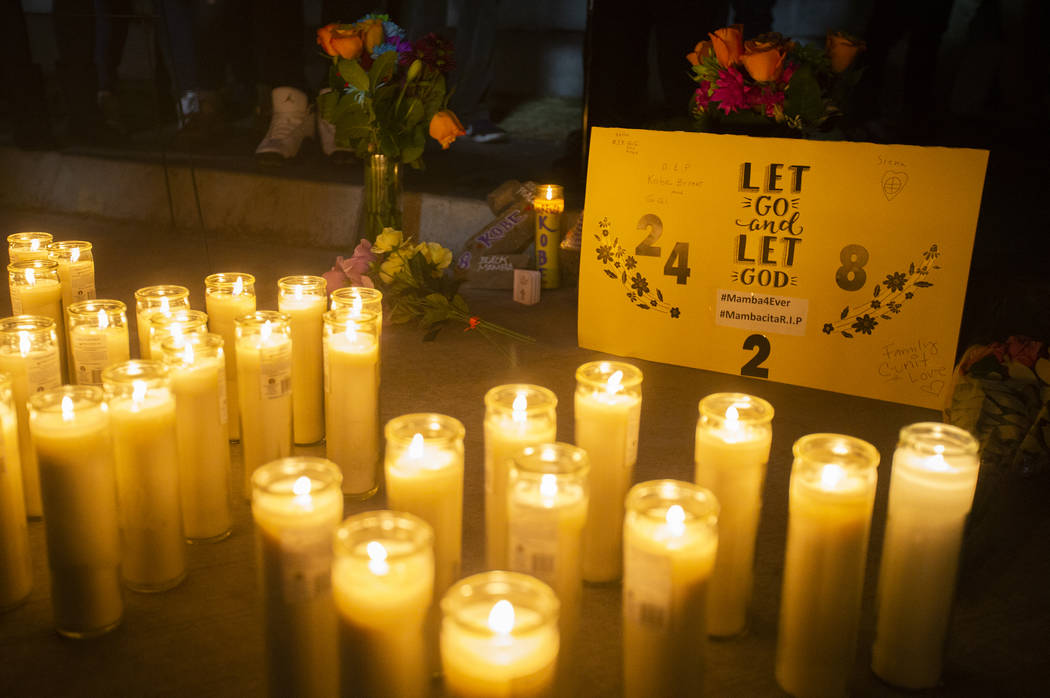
x,y
499,636
76,271
22,247
302,298
733,435
198,380
73,440
361,299
29,355
297,506
174,324
670,542
608,413
383,581
932,486
37,290
516,415
830,500
98,338
16,566
351,390
549,204
164,299
228,296
142,410
264,384
546,511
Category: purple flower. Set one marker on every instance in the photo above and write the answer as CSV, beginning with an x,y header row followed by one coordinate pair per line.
x,y
730,90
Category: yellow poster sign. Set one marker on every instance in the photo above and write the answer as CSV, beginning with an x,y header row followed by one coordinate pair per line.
x,y
832,265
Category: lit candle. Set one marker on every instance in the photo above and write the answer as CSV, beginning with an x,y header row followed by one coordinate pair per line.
x,y
382,581
142,410
351,390
72,436
174,324
29,355
198,380
608,412
670,543
302,299
76,271
516,416
732,448
932,485
156,299
549,204
16,566
23,247
297,505
546,511
499,636
264,384
98,338
36,290
830,500
227,297
361,299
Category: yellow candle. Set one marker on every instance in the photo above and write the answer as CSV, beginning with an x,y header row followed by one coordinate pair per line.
x,y
72,435
229,296
608,411
142,410
670,542
162,299
198,380
302,299
361,299
831,495
176,323
297,505
264,385
98,338
546,511
29,355
36,290
22,247
499,636
382,580
76,271
351,389
16,567
932,485
549,204
732,448
516,416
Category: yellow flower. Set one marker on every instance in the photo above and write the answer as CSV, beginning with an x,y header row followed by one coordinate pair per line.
x,y
436,254
388,240
390,267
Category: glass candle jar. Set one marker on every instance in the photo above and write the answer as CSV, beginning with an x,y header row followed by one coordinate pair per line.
x,y
516,415
176,323
163,299
228,296
830,500
361,299
351,389
733,436
670,543
499,636
76,269
549,204
98,338
22,247
37,290
71,432
16,566
383,581
608,404
303,299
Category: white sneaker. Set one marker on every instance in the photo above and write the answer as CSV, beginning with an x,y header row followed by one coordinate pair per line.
x,y
326,134
292,121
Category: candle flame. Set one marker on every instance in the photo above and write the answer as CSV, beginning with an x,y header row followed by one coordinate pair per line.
x,y
298,292
187,353
501,617
519,407
74,255
24,343
30,277
377,558
832,476
358,305
415,449
549,193
138,392
103,319
548,485
67,408
732,416
238,286
34,244
351,331
675,519
165,307
265,331
614,383
301,486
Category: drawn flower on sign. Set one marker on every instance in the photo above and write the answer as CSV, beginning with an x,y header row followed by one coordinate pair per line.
x,y
630,263
895,281
605,254
639,284
876,304
894,307
864,324
828,328
675,312
617,261
908,296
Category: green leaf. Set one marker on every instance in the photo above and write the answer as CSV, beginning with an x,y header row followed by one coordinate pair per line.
x,y
414,112
327,104
388,146
803,96
382,68
354,74
412,143
459,304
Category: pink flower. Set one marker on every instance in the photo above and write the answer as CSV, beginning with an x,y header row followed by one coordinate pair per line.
x,y
352,271
1024,350
703,96
334,277
766,99
785,76
730,90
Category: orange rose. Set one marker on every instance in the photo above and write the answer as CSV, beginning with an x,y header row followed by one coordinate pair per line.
x,y
699,53
347,44
763,58
728,43
372,32
324,39
842,49
445,128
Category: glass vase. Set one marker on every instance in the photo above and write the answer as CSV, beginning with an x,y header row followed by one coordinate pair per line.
x,y
382,196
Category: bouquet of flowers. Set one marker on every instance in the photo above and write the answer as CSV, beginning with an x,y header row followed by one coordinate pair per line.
x,y
385,93
771,80
415,281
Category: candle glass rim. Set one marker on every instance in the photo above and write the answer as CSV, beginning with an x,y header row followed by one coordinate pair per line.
x,y
570,460
171,347
319,470
62,247
223,282
186,315
83,397
120,379
316,285
923,437
496,585
85,309
367,294
756,411
48,268
27,323
538,399
645,498
814,451
437,429
595,374
336,320
557,191
28,236
392,525
250,324
147,295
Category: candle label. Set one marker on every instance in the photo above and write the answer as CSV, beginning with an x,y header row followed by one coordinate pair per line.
x,y
275,370
634,418
306,565
533,542
42,370
90,356
16,301
647,588
82,281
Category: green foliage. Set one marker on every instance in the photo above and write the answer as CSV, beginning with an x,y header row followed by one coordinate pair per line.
x,y
803,96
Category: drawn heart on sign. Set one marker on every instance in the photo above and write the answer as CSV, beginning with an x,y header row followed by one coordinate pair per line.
x,y
933,387
892,183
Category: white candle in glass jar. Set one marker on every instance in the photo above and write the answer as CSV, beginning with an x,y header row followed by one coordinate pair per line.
x,y
36,290
73,440
516,416
830,501
382,581
76,269
175,323
608,406
932,485
302,299
16,566
227,297
670,543
98,338
22,247
361,299
164,299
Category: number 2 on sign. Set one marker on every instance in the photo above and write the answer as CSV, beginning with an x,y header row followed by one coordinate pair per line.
x,y
753,367
677,264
